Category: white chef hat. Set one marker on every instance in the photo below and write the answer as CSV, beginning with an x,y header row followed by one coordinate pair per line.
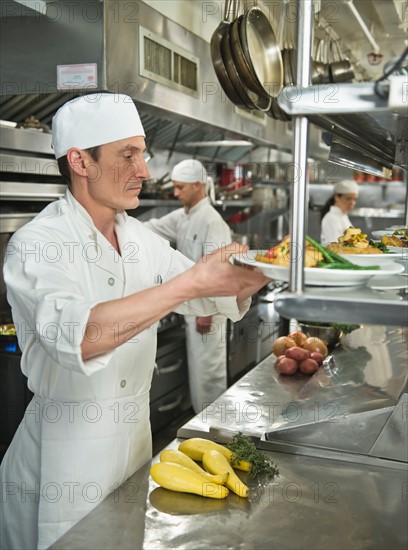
x,y
346,186
189,171
94,119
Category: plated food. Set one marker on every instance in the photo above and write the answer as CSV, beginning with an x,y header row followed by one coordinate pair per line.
x,y
354,241
398,232
326,268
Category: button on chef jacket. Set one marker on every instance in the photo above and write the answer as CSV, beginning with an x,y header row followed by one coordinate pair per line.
x,y
87,428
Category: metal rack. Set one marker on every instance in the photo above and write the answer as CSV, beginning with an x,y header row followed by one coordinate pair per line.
x,y
358,304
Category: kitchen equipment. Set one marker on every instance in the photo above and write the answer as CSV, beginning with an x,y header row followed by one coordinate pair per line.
x,y
340,68
261,50
327,332
252,99
220,68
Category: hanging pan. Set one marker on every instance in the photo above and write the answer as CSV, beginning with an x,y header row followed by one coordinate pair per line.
x,y
261,50
219,66
252,100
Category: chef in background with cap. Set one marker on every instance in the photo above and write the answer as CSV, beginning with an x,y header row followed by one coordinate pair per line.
x,y
334,214
87,285
196,230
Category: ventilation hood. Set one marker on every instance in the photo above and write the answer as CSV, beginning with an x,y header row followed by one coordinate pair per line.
x,y
62,49
135,51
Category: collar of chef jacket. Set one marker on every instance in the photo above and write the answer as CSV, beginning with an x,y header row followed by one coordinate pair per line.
x,y
107,257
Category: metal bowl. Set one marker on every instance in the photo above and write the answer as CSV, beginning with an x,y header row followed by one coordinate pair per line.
x,y
329,334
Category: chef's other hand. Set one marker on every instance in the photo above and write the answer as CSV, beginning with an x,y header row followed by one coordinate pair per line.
x,y
203,324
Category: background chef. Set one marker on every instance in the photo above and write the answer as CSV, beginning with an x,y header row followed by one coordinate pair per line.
x,y
82,281
197,229
334,214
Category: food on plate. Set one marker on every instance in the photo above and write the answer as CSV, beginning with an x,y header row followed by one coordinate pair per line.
x,y
217,464
196,447
353,241
282,254
177,457
393,240
305,358
281,344
401,232
178,478
316,255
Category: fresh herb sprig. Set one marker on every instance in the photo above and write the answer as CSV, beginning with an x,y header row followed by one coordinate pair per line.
x,y
243,449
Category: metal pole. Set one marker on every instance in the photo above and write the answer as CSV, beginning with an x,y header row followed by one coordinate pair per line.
x,y
300,141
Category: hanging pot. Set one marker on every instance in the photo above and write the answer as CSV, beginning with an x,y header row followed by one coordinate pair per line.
x,y
340,69
251,99
220,68
261,50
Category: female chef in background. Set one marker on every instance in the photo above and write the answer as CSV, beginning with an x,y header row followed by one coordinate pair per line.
x,y
334,214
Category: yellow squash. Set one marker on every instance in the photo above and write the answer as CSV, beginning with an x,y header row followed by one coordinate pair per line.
x,y
196,447
215,462
177,457
178,478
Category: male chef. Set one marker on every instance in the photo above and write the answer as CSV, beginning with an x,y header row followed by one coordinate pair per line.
x,y
87,285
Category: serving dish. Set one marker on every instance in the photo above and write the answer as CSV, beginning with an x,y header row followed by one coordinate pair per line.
x,y
376,259
317,276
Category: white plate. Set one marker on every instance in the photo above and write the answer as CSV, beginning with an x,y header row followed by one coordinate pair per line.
x,y
375,259
392,282
317,276
380,234
402,251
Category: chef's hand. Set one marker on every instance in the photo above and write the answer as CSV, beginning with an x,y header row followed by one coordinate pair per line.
x,y
203,324
215,275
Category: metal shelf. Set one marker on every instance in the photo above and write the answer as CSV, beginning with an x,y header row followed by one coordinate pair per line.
x,y
345,305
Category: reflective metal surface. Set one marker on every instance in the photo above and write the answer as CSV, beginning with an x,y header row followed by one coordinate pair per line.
x,y
321,499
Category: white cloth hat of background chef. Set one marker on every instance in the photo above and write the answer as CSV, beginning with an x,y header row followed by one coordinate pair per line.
x,y
92,120
192,171
346,186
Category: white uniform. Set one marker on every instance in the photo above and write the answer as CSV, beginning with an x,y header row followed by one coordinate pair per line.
x,y
87,428
196,233
334,223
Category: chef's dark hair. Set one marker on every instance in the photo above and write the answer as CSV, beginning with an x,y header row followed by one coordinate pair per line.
x,y
63,164
326,207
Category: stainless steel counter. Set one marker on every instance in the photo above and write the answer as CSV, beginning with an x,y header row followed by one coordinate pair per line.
x,y
323,498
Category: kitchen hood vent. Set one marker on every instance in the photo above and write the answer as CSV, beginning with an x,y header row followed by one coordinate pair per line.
x,y
168,64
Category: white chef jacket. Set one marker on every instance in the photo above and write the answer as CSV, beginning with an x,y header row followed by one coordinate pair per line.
x,y
334,223
87,428
196,233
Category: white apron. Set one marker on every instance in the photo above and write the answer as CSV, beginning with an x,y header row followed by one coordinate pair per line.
x,y
87,429
207,361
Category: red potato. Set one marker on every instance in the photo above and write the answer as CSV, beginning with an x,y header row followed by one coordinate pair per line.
x,y
287,366
318,357
308,366
298,354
